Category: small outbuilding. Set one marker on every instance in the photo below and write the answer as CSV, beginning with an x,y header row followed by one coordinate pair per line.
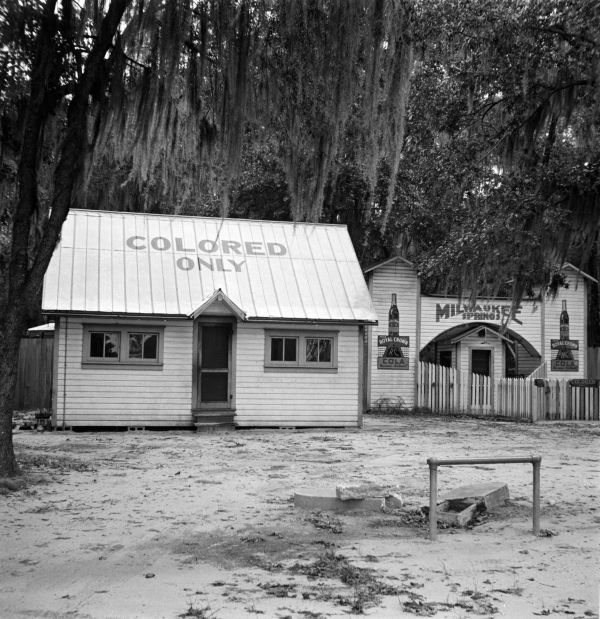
x,y
171,321
542,337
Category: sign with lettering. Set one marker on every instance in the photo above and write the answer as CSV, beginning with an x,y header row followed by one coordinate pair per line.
x,y
478,311
220,255
390,355
584,382
400,340
565,360
564,365
392,363
564,344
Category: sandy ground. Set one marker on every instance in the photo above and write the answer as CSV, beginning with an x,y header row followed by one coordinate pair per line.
x,y
147,524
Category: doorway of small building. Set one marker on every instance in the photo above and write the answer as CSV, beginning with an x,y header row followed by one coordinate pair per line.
x,y
480,384
214,376
481,361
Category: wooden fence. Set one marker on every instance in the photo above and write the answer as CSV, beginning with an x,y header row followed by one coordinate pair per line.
x,y
34,374
447,390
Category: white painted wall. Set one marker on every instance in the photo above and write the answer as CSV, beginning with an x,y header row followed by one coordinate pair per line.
x,y
400,278
142,396
295,397
93,395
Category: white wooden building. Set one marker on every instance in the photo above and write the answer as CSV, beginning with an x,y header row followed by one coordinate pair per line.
x,y
167,321
488,338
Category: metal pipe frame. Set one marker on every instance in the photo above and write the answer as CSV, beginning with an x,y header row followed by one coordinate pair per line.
x,y
434,463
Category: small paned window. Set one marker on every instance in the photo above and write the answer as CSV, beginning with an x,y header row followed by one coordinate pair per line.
x,y
284,349
318,350
122,346
301,350
143,346
104,344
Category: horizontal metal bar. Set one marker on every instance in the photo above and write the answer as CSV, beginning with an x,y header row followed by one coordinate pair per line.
x,y
508,460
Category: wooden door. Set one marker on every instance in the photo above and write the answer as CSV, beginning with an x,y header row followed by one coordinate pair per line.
x,y
481,362
214,366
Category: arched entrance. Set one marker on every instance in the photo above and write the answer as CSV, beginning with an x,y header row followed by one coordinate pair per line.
x,y
483,348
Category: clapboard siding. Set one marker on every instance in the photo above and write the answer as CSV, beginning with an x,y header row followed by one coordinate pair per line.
x,y
295,398
121,395
526,364
401,279
576,297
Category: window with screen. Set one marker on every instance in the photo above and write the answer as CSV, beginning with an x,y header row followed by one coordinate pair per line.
x,y
301,350
121,345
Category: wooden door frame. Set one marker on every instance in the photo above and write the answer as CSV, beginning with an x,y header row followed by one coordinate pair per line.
x,y
490,350
215,321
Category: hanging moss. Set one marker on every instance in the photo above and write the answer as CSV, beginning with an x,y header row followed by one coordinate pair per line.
x,y
196,71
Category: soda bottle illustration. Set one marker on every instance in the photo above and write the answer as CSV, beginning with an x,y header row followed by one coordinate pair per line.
x,y
394,318
564,322
564,353
393,350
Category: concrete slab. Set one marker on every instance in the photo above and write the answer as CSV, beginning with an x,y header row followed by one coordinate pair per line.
x,y
491,494
325,499
347,492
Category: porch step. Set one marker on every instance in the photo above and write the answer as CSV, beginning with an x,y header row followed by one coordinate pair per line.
x,y
213,427
213,421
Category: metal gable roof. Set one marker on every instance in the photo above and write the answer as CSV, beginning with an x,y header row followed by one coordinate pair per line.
x,y
127,263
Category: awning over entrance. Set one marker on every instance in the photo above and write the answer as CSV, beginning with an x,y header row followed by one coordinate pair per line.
x,y
458,331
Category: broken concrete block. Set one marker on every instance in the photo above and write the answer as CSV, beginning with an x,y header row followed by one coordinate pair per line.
x,y
347,492
325,499
490,494
394,501
456,513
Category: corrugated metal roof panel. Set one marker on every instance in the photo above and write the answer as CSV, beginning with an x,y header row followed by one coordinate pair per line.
x,y
124,263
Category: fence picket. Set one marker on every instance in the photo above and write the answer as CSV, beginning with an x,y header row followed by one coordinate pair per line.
x,y
448,390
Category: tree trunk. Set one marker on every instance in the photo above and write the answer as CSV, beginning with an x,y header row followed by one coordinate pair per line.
x,y
28,264
10,337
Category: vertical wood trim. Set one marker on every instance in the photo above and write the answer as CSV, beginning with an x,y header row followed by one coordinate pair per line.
x,y
543,332
361,375
232,363
64,398
55,361
369,350
417,342
195,353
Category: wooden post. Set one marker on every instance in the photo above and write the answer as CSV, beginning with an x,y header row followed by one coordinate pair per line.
x,y
432,498
537,465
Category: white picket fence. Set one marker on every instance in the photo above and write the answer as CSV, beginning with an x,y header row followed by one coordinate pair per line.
x,y
447,390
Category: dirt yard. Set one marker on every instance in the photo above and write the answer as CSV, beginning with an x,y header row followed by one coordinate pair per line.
x,y
156,524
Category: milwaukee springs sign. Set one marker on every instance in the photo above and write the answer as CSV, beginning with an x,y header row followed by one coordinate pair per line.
x,y
220,255
487,311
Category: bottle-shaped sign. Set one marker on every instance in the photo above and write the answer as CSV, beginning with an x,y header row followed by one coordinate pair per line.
x,y
564,322
564,352
393,349
394,318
